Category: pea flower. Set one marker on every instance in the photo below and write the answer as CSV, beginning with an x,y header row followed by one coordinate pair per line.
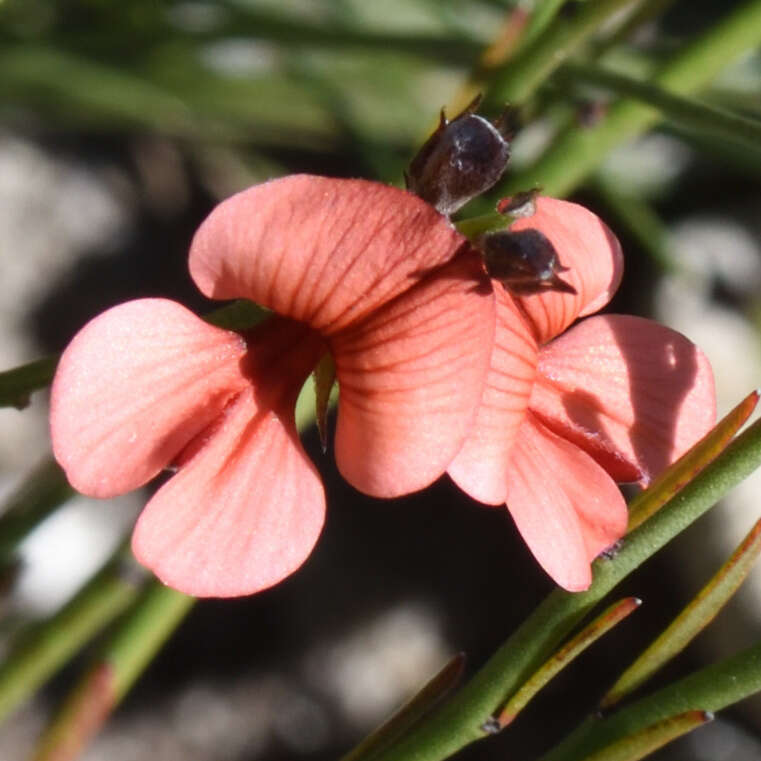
x,y
438,369
370,273
568,412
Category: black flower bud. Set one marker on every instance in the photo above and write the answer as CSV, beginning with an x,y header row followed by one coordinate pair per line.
x,y
462,159
525,262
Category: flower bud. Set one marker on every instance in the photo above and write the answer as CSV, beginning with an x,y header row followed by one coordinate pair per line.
x,y
462,159
525,262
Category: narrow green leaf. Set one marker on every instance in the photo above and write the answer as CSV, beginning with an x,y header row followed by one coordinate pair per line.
x,y
709,689
324,378
16,385
645,741
692,620
41,651
579,150
515,82
648,502
648,11
412,711
152,619
565,655
683,111
542,15
40,493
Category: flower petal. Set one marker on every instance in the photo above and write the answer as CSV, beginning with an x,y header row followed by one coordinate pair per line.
x,y
591,252
632,393
135,385
411,377
479,467
320,250
241,515
565,506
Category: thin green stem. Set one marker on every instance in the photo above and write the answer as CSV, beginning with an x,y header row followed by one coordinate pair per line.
x,y
645,741
541,17
566,655
578,151
522,75
710,689
16,385
463,718
692,620
152,619
684,470
685,112
49,645
412,711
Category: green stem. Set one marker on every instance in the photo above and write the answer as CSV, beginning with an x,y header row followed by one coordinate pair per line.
x,y
542,16
462,719
580,150
646,741
566,655
685,112
17,384
691,621
49,645
521,76
152,619
710,689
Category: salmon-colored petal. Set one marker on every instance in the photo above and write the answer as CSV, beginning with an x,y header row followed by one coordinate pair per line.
x,y
565,506
241,515
479,467
591,252
133,387
320,250
411,377
632,393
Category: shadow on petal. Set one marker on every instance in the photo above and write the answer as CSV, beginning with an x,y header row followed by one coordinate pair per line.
x,y
632,393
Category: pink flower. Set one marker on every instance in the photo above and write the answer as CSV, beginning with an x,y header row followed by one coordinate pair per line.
x,y
370,273
437,370
565,414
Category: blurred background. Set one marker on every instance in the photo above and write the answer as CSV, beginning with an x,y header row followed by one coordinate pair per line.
x,y
123,124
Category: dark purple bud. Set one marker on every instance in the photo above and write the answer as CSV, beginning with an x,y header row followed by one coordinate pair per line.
x,y
525,262
462,159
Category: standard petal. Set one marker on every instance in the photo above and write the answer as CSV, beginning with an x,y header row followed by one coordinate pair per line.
x,y
241,515
411,377
320,250
566,507
479,467
591,252
632,393
135,385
